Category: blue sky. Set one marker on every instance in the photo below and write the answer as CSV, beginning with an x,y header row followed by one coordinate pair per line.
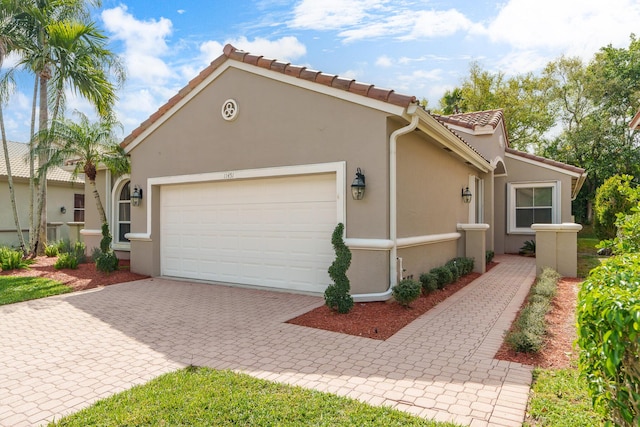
x,y
419,48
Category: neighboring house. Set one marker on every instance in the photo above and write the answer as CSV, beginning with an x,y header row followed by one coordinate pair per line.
x,y
245,173
65,199
527,189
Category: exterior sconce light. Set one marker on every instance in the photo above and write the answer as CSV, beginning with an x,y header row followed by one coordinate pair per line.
x,y
466,195
358,186
136,197
63,210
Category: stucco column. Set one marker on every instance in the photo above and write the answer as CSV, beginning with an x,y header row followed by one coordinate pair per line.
x,y
557,247
475,238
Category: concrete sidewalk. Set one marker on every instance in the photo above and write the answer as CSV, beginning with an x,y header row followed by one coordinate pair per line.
x,y
60,354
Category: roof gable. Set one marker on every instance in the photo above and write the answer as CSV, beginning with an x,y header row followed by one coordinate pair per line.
x,y
479,122
243,59
19,161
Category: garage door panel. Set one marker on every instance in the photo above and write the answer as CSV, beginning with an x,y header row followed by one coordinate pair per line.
x,y
267,232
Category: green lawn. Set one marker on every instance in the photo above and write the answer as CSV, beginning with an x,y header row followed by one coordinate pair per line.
x,y
16,289
206,397
559,398
587,254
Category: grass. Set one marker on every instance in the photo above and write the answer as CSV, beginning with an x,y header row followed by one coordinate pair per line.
x,y
17,289
587,253
559,398
206,397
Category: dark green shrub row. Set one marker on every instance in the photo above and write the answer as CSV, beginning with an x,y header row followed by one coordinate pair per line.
x,y
336,296
489,256
440,277
608,317
527,336
407,291
66,261
11,259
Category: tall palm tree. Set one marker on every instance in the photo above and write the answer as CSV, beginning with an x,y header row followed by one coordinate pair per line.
x,y
87,146
9,39
63,50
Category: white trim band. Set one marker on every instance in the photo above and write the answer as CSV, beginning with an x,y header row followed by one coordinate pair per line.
x,y
565,227
89,232
407,242
369,244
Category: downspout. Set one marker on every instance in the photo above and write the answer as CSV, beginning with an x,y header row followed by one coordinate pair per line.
x,y
393,207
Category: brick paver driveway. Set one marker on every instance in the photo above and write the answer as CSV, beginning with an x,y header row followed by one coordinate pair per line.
x,y
60,354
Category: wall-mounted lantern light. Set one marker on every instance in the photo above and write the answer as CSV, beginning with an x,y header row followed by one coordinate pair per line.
x,y
358,186
136,196
63,210
466,195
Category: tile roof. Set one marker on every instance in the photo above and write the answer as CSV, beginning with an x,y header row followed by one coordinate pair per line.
x,y
19,160
545,161
471,120
304,73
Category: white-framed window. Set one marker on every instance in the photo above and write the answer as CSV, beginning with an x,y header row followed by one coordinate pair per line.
x,y
121,205
532,203
476,207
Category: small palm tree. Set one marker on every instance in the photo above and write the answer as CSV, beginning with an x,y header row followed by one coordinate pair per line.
x,y
87,146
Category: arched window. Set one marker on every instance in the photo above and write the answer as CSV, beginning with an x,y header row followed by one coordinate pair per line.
x,y
123,214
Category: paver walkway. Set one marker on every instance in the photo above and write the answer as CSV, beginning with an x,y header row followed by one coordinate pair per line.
x,y
60,354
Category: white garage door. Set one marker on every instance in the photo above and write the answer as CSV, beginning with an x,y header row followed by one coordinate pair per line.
x,y
273,232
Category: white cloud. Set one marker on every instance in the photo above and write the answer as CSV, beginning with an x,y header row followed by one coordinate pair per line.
x,y
572,27
181,11
436,23
332,14
284,49
384,61
144,43
519,62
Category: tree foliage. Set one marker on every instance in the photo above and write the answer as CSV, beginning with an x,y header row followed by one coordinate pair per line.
x,y
337,294
612,199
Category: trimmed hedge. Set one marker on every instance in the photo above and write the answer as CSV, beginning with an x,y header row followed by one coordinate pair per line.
x,y
527,336
444,276
337,296
608,318
407,291
429,282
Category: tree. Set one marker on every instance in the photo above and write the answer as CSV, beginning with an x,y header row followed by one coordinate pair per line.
x,y
89,145
63,49
523,98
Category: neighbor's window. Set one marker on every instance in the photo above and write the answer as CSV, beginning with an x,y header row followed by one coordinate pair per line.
x,y
533,203
78,207
123,212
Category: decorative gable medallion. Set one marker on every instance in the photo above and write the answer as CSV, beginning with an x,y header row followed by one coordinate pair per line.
x,y
229,110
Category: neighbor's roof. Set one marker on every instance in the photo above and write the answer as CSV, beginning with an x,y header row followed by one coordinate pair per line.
x,y
304,73
19,160
472,120
546,161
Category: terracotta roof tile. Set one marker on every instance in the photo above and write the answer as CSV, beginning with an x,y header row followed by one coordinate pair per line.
x,y
471,120
545,160
331,80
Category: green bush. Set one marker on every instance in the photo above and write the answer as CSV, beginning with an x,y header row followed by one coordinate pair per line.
x,y
608,317
489,256
64,246
106,262
444,276
463,264
51,251
429,282
66,261
336,295
79,251
11,259
611,199
528,248
527,335
407,291
455,271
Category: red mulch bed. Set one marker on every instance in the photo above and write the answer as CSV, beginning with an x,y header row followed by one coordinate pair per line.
x,y
85,277
379,320
558,351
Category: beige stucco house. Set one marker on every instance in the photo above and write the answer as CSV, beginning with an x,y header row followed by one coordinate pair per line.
x,y
246,171
65,199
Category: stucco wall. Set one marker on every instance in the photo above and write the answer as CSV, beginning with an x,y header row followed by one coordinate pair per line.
x,y
277,125
522,171
58,195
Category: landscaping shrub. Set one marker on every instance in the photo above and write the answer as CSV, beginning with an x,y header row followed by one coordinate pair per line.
x,y
608,317
66,261
527,335
407,291
528,248
64,246
11,259
443,275
489,256
611,199
429,282
106,260
336,295
454,269
80,252
51,251
464,265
